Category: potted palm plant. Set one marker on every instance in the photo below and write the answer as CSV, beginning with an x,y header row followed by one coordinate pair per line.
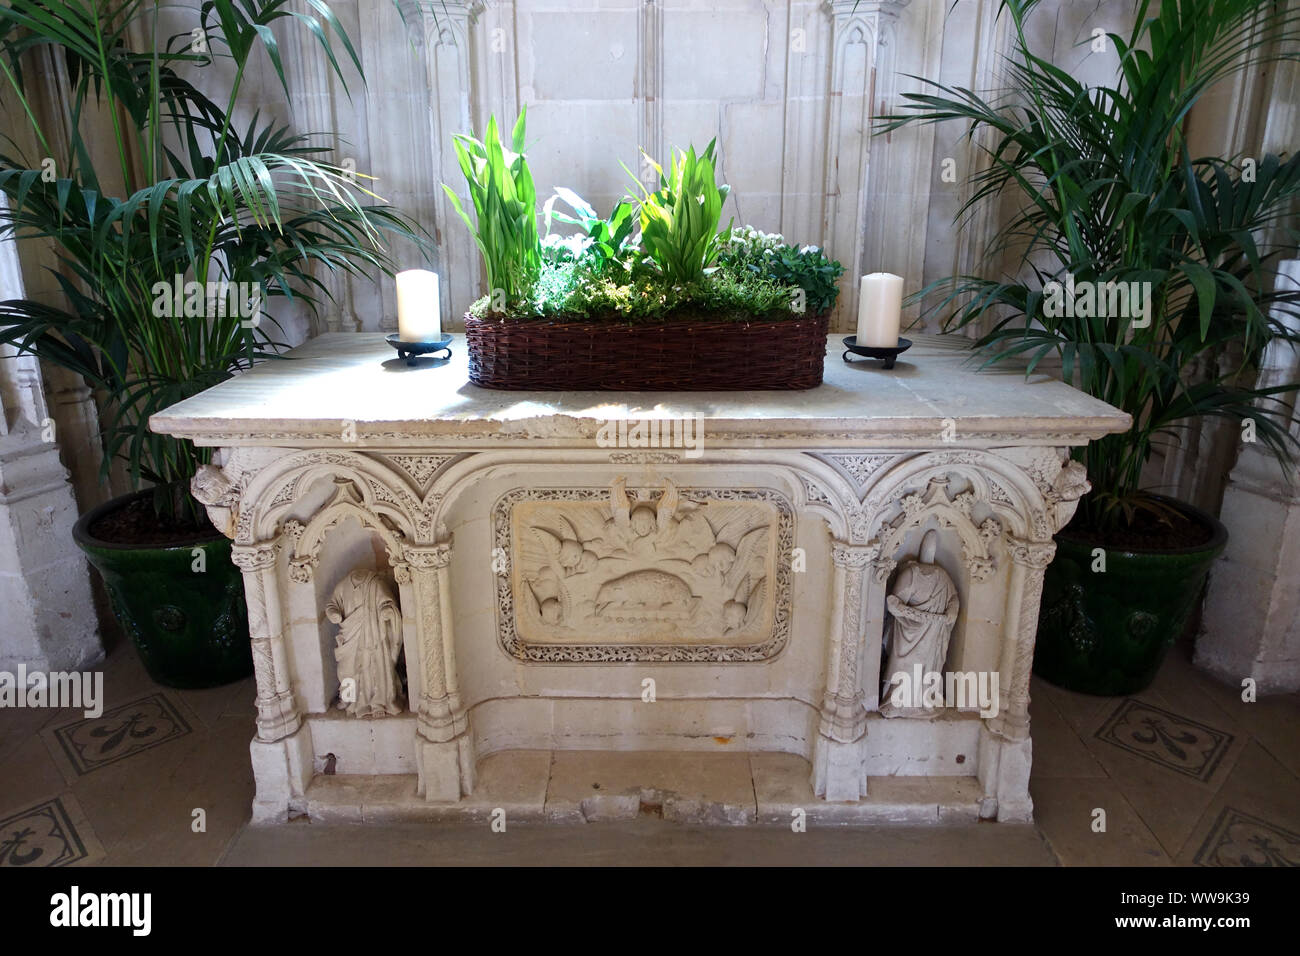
x,y
168,255
656,296
1150,275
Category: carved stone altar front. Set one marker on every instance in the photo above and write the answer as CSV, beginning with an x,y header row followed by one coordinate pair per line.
x,y
644,575
541,582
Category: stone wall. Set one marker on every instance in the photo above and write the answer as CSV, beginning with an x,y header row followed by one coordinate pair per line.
x,y
788,87
44,585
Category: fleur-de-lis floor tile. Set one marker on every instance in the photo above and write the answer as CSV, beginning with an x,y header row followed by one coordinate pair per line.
x,y
121,732
1240,839
43,835
1179,743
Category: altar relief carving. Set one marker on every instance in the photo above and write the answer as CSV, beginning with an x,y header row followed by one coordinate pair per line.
x,y
368,644
660,574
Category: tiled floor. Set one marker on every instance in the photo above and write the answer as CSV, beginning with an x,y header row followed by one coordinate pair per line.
x,y
1184,773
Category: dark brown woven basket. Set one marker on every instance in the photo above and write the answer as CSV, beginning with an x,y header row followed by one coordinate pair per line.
x,y
678,356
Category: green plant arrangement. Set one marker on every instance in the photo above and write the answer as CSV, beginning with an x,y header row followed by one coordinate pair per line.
x,y
680,265
679,220
1138,266
806,268
654,296
505,206
606,239
169,251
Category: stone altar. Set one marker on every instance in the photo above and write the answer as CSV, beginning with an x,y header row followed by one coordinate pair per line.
x,y
545,579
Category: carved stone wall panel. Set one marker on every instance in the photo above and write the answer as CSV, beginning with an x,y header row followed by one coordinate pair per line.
x,y
650,574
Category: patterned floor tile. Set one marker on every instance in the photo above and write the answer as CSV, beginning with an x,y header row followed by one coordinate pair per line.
x,y
119,733
43,835
1240,839
1178,743
1066,812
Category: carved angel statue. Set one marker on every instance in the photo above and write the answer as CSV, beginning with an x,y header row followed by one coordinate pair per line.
x,y
369,642
565,552
924,605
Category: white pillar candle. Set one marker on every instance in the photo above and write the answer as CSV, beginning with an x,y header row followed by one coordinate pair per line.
x,y
880,306
418,309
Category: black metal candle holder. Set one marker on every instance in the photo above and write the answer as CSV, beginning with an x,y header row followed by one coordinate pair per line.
x,y
410,351
871,351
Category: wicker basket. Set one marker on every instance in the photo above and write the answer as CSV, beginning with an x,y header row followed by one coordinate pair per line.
x,y
681,356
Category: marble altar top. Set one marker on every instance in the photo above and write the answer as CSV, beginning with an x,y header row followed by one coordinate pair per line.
x,y
352,383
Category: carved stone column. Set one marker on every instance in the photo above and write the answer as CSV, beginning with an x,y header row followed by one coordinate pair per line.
x,y
71,404
1029,559
444,748
857,166
277,714
972,241
445,37
44,587
650,78
311,94
1250,626
1005,747
281,752
839,770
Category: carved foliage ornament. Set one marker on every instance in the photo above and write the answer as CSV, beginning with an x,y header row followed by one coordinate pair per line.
x,y
421,468
860,467
253,558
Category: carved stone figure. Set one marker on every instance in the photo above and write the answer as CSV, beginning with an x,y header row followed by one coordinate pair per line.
x,y
369,642
646,591
924,603
218,494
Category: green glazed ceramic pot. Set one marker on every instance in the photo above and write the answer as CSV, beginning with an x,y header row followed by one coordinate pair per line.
x,y
190,627
1107,632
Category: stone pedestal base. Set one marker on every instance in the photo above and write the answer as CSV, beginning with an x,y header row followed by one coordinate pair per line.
x,y
44,585
446,768
1004,774
283,770
1251,619
839,769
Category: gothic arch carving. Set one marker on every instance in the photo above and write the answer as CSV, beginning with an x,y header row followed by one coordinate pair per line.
x,y
923,488
346,502
378,491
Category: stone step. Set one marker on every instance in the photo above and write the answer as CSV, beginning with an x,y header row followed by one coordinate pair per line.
x,y
572,787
